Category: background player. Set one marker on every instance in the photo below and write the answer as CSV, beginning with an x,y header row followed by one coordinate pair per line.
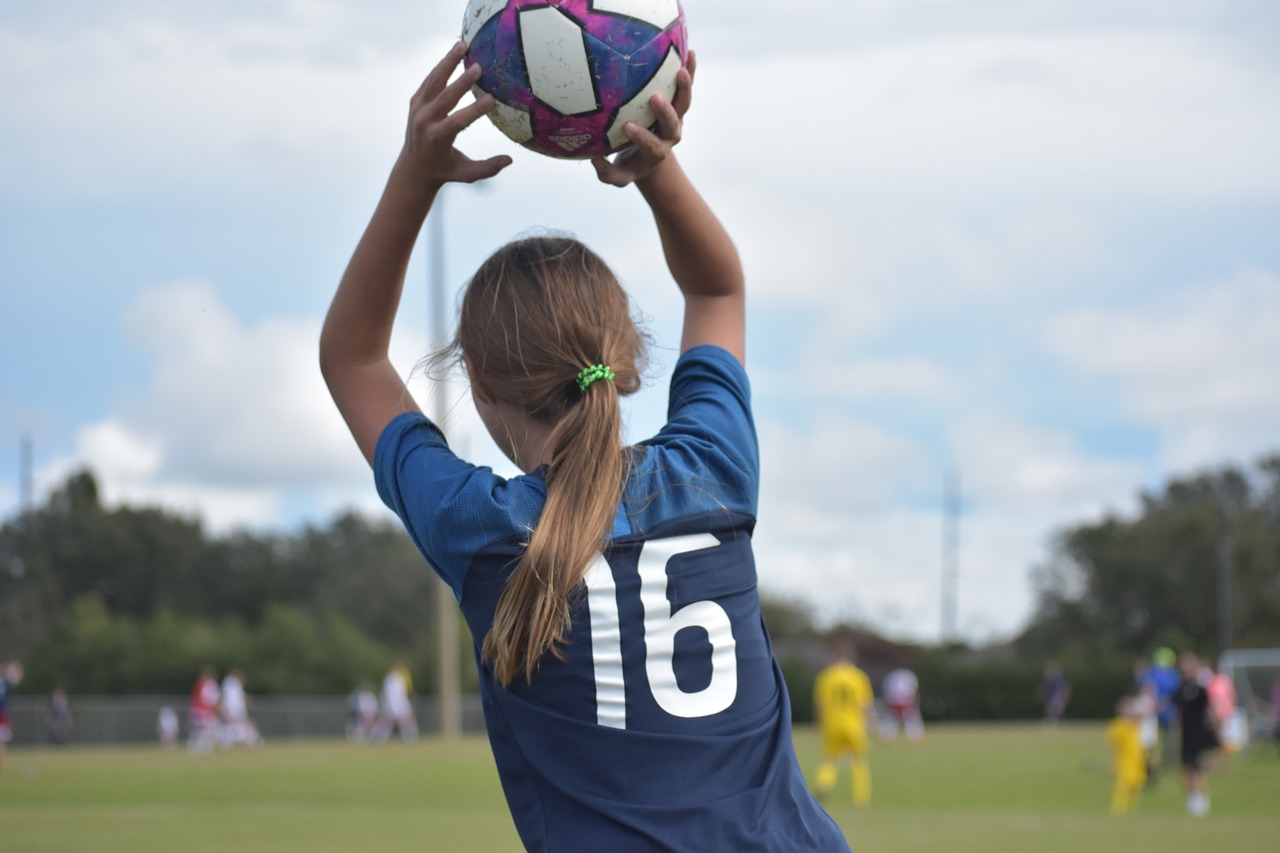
x,y
396,709
607,733
1164,681
901,691
1054,692
1199,730
10,677
1128,756
844,704
202,712
237,726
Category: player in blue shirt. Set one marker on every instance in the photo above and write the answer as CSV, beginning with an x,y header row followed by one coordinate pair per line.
x,y
10,677
629,688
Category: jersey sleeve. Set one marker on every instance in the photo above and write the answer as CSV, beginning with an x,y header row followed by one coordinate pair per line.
x,y
450,508
710,434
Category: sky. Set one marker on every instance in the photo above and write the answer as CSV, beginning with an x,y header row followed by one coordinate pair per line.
x,y
1032,245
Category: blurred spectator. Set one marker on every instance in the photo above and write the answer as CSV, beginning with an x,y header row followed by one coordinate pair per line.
x,y
10,677
901,691
362,713
202,713
237,727
167,727
58,718
1054,692
397,710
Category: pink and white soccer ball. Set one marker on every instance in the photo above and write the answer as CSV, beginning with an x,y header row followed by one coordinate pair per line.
x,y
567,74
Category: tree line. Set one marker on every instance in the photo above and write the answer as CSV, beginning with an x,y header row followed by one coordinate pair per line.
x,y
1197,567
100,599
137,599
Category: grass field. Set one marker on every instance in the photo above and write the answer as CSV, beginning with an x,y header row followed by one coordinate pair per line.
x,y
967,788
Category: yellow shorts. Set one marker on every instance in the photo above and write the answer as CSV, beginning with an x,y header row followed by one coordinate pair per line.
x,y
846,739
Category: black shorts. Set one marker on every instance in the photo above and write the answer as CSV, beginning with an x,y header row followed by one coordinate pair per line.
x,y
1195,746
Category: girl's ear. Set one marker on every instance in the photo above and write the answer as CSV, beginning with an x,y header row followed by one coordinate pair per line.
x,y
478,387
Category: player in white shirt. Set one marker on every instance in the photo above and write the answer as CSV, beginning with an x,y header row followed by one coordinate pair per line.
x,y
397,710
901,691
237,728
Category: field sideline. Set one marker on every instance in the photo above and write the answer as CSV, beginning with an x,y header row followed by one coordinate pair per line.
x,y
994,789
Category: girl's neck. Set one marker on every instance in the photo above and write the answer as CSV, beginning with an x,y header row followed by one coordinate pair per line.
x,y
525,440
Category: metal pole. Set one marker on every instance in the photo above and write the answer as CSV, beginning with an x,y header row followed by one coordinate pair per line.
x,y
26,481
950,554
448,680
1226,634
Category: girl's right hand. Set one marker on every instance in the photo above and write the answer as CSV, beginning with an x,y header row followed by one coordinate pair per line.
x,y
434,124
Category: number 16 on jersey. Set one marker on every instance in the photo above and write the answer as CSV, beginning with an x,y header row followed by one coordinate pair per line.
x,y
660,629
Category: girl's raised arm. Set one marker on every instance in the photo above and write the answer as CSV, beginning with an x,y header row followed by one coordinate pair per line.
x,y
356,337
698,249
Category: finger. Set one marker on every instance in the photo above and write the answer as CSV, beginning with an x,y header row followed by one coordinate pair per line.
x,y
668,118
439,75
443,103
481,170
608,173
460,120
646,140
691,64
684,91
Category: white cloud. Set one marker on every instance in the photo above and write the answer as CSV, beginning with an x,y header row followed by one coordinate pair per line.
x,y
236,421
863,466
1200,365
853,515
1013,465
312,89
894,171
169,105
981,117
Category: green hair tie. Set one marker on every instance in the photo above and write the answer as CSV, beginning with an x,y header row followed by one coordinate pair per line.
x,y
591,374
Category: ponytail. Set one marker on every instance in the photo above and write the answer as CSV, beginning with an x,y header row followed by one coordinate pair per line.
x,y
584,482
549,328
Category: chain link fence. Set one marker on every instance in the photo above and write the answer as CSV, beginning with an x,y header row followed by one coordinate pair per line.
x,y
108,720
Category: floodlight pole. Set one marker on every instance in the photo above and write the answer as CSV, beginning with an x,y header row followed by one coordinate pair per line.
x,y
448,692
950,553
1226,594
26,481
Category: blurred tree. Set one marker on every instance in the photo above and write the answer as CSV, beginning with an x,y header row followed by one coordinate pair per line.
x,y
138,598
1204,551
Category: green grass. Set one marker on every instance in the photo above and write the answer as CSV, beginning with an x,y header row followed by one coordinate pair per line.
x,y
967,788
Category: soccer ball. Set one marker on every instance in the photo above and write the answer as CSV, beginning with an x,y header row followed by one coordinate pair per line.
x,y
567,74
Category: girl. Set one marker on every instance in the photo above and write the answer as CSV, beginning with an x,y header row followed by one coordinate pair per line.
x,y
629,689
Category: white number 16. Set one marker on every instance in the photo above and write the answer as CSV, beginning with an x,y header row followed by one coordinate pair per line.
x,y
660,629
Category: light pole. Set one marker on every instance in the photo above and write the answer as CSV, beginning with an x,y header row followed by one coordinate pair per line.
x,y
448,691
950,554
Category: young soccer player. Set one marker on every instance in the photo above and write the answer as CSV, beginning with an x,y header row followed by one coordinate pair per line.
x,y
901,689
629,690
1198,729
10,677
1128,757
202,712
844,704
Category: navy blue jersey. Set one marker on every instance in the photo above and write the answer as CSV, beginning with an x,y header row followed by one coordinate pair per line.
x,y
666,726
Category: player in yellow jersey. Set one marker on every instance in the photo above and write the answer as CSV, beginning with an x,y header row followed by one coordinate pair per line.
x,y
1129,759
844,705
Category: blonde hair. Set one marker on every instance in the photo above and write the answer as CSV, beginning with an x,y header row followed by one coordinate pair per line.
x,y
536,313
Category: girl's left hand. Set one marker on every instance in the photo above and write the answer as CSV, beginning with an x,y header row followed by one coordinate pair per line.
x,y
649,149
